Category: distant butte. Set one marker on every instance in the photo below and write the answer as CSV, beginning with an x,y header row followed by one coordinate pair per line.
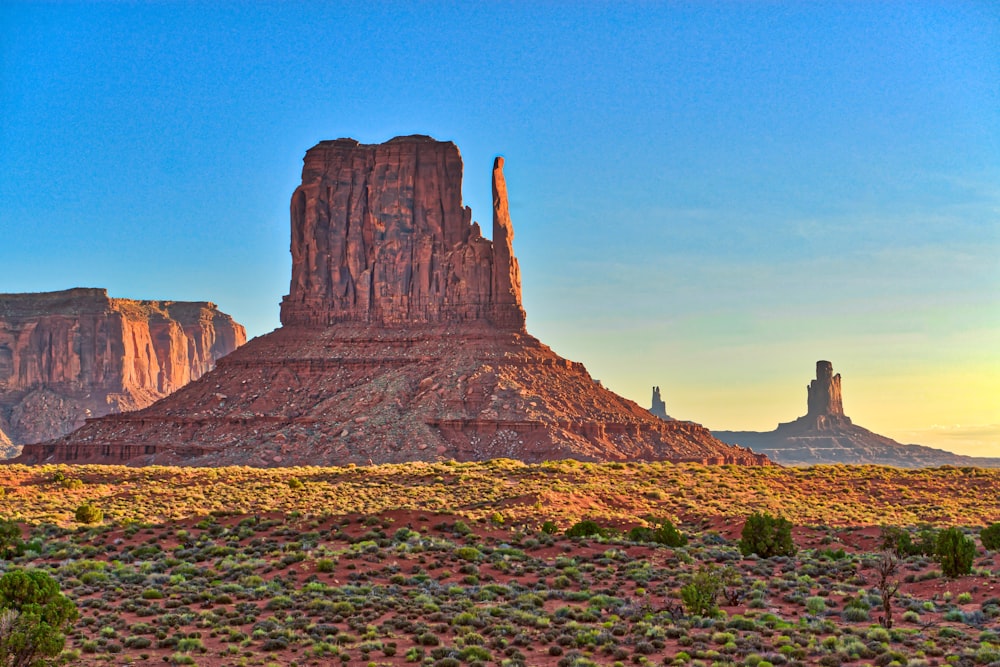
x,y
658,407
826,435
78,353
403,339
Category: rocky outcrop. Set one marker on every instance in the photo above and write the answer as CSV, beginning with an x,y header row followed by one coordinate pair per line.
x,y
380,236
824,402
659,407
403,339
70,355
826,435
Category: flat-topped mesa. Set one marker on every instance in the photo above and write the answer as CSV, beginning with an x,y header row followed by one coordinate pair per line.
x,y
74,354
380,236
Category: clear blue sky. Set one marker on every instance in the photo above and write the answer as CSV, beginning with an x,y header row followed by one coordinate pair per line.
x,y
706,196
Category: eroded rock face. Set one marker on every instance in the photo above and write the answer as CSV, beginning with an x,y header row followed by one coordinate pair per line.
x,y
823,394
70,355
380,236
403,340
826,435
658,407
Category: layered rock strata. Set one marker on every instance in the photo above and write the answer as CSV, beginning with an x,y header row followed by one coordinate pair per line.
x,y
70,355
403,339
826,435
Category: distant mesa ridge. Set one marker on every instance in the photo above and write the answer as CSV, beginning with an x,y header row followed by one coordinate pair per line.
x,y
73,354
403,339
826,435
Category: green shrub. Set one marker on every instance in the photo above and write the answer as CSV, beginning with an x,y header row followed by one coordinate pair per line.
x,y
11,543
550,528
899,541
34,615
89,513
586,528
663,532
955,552
700,595
767,536
990,537
325,565
295,483
815,605
468,553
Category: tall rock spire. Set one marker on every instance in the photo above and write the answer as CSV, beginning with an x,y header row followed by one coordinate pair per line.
x,y
506,289
824,397
659,407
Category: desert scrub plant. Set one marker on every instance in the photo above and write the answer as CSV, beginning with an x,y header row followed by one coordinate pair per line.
x,y
990,537
662,532
11,544
899,541
587,528
89,513
766,536
955,552
700,595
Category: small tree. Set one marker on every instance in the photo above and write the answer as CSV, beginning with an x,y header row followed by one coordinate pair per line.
x,y
900,542
34,615
955,552
700,595
888,585
11,543
990,537
767,536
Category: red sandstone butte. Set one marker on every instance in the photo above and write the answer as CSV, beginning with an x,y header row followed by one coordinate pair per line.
x,y
826,435
403,339
69,355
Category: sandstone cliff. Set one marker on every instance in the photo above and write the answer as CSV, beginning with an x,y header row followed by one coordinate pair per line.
x,y
403,339
826,435
380,236
70,355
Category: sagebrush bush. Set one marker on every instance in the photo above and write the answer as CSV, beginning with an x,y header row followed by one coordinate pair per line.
x,y
767,536
701,594
990,537
955,552
89,513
